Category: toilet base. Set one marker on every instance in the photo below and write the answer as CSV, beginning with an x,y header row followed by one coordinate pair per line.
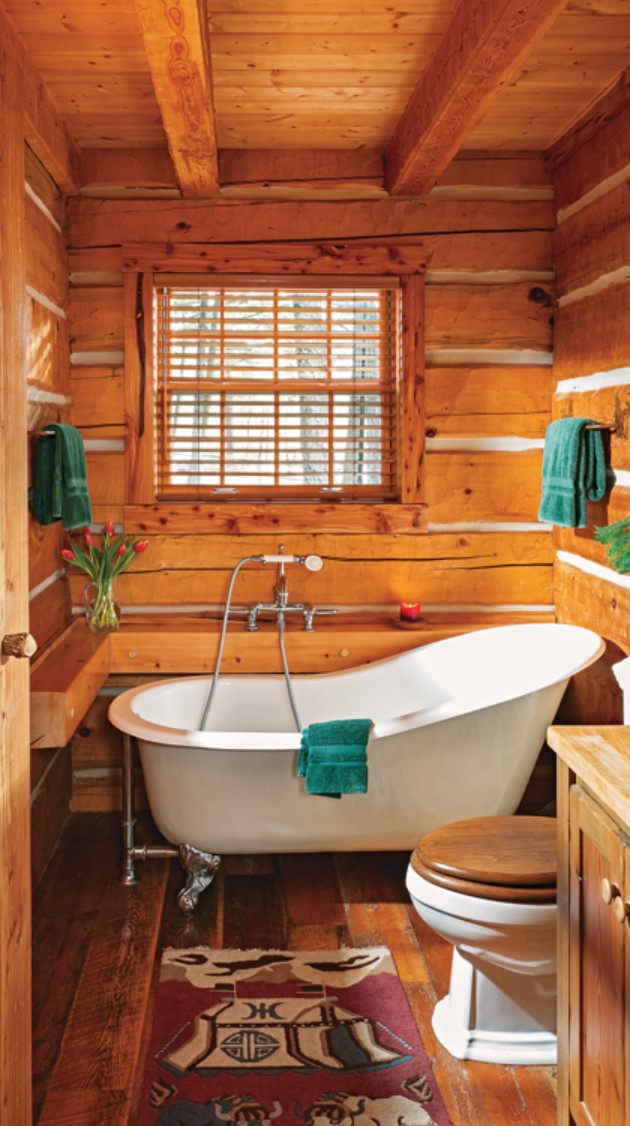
x,y
494,1015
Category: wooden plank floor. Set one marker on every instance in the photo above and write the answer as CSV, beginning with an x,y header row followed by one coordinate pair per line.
x,y
97,947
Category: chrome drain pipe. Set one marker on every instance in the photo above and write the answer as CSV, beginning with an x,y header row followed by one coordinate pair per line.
x,y
201,867
131,850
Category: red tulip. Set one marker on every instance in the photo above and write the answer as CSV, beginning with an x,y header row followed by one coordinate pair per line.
x,y
108,527
141,546
87,537
122,549
68,554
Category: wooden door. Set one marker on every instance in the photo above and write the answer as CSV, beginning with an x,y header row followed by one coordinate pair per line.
x,y
15,937
597,951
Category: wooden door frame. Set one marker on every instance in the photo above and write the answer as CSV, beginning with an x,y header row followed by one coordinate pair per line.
x,y
15,883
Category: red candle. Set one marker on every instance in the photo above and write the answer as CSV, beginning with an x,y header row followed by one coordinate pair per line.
x,y
410,611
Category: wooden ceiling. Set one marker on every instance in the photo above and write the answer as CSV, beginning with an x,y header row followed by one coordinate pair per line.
x,y
415,81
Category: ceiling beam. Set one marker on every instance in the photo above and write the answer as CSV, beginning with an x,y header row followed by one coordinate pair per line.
x,y
176,40
482,47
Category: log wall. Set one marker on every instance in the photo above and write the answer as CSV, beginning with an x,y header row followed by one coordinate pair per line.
x,y
48,381
488,331
488,344
592,376
48,355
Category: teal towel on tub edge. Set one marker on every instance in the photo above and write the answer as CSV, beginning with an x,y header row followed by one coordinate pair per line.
x,y
333,757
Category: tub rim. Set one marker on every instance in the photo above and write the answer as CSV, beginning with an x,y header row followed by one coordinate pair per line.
x,y
122,716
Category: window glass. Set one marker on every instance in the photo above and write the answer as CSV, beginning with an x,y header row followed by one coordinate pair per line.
x,y
276,392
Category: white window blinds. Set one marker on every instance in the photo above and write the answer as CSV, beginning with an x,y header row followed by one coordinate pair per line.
x,y
273,391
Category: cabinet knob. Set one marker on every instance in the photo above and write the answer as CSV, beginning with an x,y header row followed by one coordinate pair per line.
x,y
19,645
608,891
620,909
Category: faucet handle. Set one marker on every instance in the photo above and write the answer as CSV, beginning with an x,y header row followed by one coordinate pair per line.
x,y
310,612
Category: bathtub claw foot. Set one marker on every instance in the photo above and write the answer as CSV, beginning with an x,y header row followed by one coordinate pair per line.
x,y
202,868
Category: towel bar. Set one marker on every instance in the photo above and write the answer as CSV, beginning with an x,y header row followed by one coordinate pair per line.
x,y
601,426
86,426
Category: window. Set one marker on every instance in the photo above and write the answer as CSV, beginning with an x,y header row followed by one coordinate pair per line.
x,y
277,391
274,384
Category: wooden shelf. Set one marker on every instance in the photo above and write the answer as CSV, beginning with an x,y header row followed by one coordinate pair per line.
x,y
175,646
64,682
66,678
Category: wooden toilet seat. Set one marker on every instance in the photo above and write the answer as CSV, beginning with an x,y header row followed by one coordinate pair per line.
x,y
507,858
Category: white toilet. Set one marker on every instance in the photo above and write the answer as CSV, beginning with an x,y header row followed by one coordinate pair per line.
x,y
488,885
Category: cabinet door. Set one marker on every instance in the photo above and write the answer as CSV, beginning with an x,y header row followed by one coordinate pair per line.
x,y
626,928
597,942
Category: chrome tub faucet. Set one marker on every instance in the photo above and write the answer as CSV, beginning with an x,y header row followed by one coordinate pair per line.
x,y
281,605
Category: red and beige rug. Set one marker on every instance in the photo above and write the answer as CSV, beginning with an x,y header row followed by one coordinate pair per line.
x,y
304,1038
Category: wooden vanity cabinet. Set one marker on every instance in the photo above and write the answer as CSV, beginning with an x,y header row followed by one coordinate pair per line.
x,y
594,942
599,956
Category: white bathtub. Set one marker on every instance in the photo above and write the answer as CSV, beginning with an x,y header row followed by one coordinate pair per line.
x,y
458,726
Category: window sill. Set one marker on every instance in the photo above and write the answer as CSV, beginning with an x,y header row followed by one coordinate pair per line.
x,y
266,517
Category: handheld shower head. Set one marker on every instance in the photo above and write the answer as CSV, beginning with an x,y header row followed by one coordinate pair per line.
x,y
313,562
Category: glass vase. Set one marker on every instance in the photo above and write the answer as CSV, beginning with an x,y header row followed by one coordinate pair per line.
x,y
102,611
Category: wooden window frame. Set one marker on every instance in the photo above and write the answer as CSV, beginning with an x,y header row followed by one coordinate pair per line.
x,y
237,396
363,260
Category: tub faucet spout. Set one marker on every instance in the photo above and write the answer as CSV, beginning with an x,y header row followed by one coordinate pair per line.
x,y
281,588
276,607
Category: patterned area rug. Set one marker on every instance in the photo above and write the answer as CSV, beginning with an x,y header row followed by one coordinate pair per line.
x,y
295,1038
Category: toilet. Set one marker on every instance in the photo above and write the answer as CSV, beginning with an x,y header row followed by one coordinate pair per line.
x,y
488,885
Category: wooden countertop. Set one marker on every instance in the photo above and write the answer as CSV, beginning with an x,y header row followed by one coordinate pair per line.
x,y
600,758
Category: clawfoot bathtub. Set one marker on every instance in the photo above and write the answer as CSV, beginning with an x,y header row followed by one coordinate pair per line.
x,y
458,725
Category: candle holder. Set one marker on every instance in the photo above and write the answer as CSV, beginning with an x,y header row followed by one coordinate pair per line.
x,y
410,612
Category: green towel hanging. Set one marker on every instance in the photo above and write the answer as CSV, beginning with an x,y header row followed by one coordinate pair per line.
x,y
60,491
44,473
573,471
